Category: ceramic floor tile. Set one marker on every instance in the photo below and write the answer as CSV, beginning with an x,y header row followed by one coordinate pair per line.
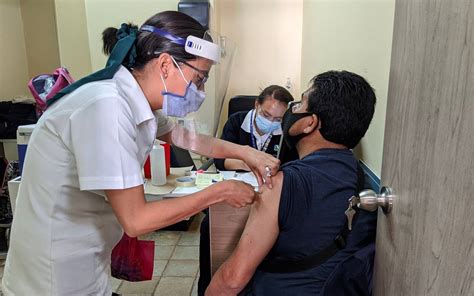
x,y
186,253
166,238
181,268
148,236
159,267
115,283
163,252
146,287
189,239
174,286
194,291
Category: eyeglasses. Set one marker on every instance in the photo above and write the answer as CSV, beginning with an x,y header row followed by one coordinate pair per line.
x,y
296,106
202,80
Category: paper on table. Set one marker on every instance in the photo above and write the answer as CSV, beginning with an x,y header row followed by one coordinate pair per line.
x,y
248,178
228,175
185,190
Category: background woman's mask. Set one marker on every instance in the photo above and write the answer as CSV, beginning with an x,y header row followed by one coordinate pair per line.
x,y
265,125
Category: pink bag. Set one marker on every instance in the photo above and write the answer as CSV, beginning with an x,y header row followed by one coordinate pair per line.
x,y
43,87
133,259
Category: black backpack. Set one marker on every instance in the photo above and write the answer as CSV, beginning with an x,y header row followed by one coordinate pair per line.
x,y
12,115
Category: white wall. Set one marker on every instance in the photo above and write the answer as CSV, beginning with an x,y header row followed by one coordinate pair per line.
x,y
102,14
41,39
268,36
353,35
72,37
13,64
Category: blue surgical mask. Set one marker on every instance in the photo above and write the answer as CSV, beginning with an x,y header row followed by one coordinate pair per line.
x,y
265,125
179,106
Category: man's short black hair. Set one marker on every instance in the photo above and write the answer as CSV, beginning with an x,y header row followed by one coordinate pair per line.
x,y
344,103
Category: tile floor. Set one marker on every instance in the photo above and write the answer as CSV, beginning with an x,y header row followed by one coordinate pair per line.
x,y
176,270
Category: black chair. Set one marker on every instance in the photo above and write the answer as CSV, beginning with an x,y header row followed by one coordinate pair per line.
x,y
180,157
236,104
241,103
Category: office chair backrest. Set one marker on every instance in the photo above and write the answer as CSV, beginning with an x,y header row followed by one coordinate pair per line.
x,y
180,157
236,104
241,103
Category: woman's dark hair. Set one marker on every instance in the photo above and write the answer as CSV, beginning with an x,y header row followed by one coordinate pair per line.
x,y
277,92
150,46
345,105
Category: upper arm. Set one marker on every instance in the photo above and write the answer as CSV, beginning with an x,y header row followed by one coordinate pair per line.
x,y
166,138
126,204
164,126
260,233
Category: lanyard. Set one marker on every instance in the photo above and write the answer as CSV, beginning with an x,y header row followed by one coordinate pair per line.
x,y
252,136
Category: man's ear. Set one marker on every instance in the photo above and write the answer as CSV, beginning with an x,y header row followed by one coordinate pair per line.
x,y
312,124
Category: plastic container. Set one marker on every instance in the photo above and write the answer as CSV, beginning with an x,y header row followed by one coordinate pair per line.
x,y
147,165
23,134
158,165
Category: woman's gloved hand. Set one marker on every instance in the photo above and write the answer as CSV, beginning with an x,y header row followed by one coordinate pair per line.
x,y
263,165
237,194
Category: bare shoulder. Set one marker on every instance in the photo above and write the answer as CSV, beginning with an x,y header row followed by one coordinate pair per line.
x,y
270,197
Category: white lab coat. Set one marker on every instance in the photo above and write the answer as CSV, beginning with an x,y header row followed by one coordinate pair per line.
x,y
64,229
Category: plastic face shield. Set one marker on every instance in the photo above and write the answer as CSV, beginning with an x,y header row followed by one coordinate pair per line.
x,y
189,131
200,47
195,131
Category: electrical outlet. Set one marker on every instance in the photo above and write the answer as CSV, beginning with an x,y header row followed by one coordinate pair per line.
x,y
288,83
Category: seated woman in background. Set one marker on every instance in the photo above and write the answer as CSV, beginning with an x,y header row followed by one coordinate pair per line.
x,y
259,128
297,233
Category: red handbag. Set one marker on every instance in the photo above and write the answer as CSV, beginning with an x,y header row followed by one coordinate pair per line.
x,y
133,259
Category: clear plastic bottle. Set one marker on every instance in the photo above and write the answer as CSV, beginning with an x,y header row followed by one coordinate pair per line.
x,y
158,165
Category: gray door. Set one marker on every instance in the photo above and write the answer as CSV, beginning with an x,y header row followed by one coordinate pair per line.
x,y
426,245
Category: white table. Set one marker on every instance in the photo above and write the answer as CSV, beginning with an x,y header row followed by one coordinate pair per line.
x,y
170,190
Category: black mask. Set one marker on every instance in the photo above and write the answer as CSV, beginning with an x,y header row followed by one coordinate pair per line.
x,y
289,118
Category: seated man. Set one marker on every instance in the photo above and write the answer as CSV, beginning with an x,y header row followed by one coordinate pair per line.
x,y
259,128
303,214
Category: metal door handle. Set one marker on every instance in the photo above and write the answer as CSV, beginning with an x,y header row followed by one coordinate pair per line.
x,y
370,201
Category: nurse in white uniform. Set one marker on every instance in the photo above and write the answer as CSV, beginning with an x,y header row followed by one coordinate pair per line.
x,y
82,183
